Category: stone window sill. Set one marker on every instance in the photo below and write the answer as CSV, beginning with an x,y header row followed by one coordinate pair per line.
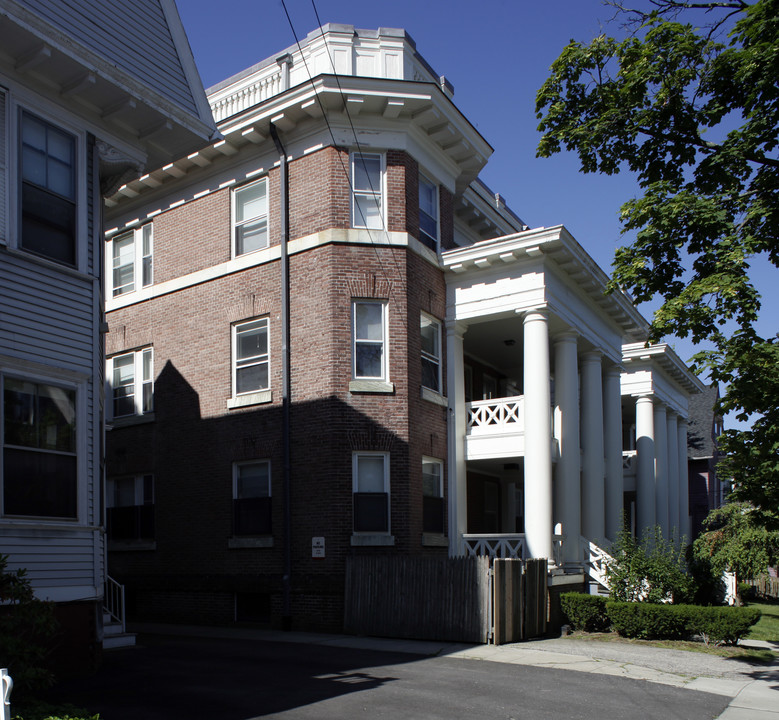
x,y
256,398
434,540
371,386
434,397
129,420
360,540
131,545
250,542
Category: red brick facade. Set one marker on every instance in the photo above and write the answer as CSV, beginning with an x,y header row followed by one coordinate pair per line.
x,y
193,574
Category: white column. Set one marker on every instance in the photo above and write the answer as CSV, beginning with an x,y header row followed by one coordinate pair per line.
x,y
568,496
684,489
538,436
593,468
661,469
457,478
645,464
612,440
674,526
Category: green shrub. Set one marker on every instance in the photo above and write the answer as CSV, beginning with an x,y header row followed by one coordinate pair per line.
x,y
585,612
649,621
723,625
652,570
47,711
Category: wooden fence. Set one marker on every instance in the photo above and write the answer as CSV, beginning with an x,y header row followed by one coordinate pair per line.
x,y
452,599
766,586
421,598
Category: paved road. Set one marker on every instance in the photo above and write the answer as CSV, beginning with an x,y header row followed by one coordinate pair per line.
x,y
168,678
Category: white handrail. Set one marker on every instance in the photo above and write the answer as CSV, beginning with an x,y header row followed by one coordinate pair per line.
x,y
495,414
113,600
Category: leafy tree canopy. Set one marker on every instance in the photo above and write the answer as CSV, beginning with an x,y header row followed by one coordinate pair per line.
x,y
692,110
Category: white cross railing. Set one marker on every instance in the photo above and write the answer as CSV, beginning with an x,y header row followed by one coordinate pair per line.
x,y
596,559
495,415
494,545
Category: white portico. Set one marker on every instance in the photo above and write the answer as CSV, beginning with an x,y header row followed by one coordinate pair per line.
x,y
534,350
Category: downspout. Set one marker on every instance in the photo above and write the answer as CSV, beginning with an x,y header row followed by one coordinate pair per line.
x,y
286,618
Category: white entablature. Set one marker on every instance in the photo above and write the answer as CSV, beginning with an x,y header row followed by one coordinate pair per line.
x,y
332,49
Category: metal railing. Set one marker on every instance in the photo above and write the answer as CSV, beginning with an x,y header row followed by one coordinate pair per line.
x,y
113,600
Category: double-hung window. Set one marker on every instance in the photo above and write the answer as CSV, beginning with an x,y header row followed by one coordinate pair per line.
x,y
252,498
432,496
430,330
250,217
370,476
368,190
40,463
130,508
131,377
251,359
48,190
131,260
428,212
369,338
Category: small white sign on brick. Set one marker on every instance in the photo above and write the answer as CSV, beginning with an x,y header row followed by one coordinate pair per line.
x,y
318,547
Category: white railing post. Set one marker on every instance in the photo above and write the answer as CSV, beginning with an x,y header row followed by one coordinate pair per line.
x,y
6,685
113,600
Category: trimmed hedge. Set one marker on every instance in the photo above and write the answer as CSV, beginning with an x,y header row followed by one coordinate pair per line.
x,y
652,621
585,612
717,625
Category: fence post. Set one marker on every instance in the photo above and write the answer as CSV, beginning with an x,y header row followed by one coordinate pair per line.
x,y
6,685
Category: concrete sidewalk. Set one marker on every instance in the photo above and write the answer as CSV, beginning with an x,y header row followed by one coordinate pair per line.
x,y
754,689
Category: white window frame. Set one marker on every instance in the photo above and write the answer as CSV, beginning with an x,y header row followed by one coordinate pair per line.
x,y
81,441
141,380
440,463
140,499
385,484
236,471
429,357
235,225
263,358
20,100
139,236
384,376
376,194
434,240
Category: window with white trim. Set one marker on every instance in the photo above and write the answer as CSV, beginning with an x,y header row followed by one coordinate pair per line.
x,y
430,330
369,340
428,212
131,381
47,170
39,448
130,508
251,357
370,477
252,498
131,257
250,217
368,190
432,496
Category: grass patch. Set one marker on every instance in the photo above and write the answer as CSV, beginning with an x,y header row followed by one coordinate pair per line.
x,y
754,656
767,627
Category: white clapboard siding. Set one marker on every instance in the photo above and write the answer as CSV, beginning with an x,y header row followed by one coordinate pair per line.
x,y
3,168
46,315
134,35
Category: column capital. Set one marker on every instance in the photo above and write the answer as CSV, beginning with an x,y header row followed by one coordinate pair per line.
x,y
456,327
533,315
612,370
566,336
592,356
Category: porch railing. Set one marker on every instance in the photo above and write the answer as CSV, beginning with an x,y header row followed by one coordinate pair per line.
x,y
113,600
595,561
496,415
494,545
629,462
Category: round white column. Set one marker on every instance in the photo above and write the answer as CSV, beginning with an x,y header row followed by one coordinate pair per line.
x,y
612,440
457,483
593,468
661,469
567,473
538,436
684,489
674,526
645,464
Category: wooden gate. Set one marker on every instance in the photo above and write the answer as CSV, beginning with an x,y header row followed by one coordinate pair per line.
x,y
519,599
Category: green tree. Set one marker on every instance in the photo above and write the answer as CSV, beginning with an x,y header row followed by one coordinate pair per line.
x,y
736,539
693,112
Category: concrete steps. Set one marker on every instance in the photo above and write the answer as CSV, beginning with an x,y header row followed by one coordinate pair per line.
x,y
114,635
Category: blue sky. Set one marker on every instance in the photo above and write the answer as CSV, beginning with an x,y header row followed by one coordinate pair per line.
x,y
497,54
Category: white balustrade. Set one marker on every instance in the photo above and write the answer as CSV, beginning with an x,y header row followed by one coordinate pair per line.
x,y
596,560
496,415
494,545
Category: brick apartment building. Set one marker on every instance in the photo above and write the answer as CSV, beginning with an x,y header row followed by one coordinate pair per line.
x,y
422,313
